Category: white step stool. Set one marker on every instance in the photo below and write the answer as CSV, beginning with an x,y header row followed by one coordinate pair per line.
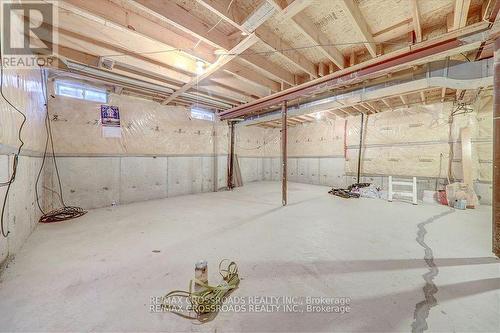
x,y
412,194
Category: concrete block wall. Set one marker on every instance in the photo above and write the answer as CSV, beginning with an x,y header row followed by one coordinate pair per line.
x,y
93,182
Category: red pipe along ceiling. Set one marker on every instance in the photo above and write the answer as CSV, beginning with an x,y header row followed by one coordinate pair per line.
x,y
344,77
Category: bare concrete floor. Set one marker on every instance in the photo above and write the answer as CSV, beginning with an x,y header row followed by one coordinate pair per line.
x,y
99,272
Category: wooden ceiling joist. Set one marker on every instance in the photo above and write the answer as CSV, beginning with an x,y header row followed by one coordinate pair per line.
x,y
229,81
359,23
269,38
316,37
415,14
287,52
297,119
224,59
116,17
263,65
372,107
90,61
359,108
386,102
162,42
251,77
403,99
176,16
291,8
133,23
345,110
460,13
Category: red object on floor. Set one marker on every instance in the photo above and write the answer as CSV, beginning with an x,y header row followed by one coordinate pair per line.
x,y
443,200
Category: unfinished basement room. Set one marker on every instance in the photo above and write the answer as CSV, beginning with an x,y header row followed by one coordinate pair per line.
x,y
250,166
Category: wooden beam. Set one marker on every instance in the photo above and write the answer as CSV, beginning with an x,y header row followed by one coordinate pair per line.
x,y
90,61
386,102
304,118
309,117
287,52
230,13
415,14
370,107
259,15
127,58
394,32
131,21
404,100
223,59
460,13
225,10
292,9
283,49
176,16
360,25
346,111
359,108
228,80
316,37
352,58
297,119
373,106
172,14
322,69
246,74
261,64
237,96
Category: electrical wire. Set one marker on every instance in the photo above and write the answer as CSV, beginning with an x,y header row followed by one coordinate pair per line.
x,y
214,26
206,302
16,155
251,53
65,212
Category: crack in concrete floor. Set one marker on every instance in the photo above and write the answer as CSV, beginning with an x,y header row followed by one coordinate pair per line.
x,y
423,308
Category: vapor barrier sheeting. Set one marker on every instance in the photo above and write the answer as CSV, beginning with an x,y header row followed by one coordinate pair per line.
x,y
146,128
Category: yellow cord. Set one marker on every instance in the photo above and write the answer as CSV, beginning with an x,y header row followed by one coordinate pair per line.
x,y
205,303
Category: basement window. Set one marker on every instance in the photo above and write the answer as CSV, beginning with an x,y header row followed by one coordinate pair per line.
x,y
81,91
202,114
